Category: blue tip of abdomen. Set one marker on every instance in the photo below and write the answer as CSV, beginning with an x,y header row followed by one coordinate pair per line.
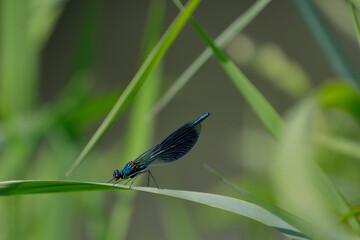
x,y
202,118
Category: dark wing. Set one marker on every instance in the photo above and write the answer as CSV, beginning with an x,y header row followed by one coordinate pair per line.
x,y
174,146
147,157
177,145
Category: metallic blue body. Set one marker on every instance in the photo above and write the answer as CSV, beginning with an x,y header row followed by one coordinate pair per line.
x,y
174,147
202,118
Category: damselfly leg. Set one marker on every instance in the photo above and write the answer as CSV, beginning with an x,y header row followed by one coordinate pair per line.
x,y
135,175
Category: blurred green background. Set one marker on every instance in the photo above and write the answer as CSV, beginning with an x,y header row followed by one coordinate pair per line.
x,y
63,65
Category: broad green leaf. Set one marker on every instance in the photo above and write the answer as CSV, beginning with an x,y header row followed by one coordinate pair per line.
x,y
246,209
224,38
140,77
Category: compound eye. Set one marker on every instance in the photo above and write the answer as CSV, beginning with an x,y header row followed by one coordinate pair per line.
x,y
116,174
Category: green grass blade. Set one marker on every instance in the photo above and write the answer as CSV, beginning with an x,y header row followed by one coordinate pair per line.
x,y
222,40
356,21
267,114
356,3
18,61
326,41
246,209
12,188
284,215
140,77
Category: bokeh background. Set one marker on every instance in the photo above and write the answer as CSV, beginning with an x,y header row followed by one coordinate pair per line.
x,y
65,63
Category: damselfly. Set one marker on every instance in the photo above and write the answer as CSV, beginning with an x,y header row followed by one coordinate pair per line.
x,y
174,147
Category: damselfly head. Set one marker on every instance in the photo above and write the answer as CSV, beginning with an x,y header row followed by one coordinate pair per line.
x,y
117,175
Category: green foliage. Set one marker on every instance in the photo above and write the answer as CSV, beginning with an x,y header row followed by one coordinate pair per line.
x,y
224,38
222,202
259,104
140,77
308,187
